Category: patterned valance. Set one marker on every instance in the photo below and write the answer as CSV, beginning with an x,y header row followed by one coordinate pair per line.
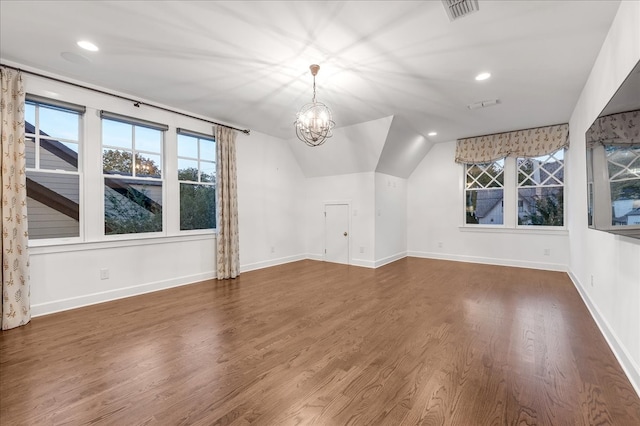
x,y
521,143
622,128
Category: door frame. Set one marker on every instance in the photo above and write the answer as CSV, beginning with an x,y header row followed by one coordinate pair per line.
x,y
324,234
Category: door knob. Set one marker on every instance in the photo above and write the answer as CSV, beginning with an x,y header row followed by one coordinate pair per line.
x,y
345,233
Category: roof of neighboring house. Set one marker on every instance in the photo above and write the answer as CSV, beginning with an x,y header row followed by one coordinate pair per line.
x,y
486,201
634,212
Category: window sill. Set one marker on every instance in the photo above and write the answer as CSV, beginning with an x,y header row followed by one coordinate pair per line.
x,y
71,246
560,231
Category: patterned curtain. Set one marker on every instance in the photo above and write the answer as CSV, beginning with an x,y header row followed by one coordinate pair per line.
x,y
619,129
521,143
13,193
228,251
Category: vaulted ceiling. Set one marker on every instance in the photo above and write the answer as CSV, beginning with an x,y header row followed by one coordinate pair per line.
x,y
247,63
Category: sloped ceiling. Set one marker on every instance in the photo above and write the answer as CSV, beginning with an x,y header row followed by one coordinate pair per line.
x,y
352,149
403,149
246,63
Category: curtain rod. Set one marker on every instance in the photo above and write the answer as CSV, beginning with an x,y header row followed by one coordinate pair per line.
x,y
135,102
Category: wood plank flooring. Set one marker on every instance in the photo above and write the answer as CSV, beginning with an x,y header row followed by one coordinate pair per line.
x,y
415,342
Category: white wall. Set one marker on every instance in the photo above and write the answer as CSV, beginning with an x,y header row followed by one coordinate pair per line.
x,y
612,261
357,190
270,202
390,218
435,218
68,275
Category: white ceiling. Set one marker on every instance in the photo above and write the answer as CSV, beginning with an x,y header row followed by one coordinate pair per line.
x,y
246,63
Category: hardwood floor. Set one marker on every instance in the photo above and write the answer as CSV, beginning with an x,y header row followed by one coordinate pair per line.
x,y
415,342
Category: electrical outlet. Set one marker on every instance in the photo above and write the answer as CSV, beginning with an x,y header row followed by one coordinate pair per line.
x,y
273,249
361,249
439,244
547,252
591,280
104,274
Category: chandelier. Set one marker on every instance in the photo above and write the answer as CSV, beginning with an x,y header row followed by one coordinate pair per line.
x,y
313,122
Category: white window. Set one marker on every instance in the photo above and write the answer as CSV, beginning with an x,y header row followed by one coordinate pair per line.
x,y
533,188
541,190
484,193
197,178
133,179
53,139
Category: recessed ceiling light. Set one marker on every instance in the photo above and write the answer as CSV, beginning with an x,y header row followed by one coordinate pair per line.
x,y
432,133
483,76
87,45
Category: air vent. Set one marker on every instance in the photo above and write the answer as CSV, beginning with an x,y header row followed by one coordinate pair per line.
x,y
458,8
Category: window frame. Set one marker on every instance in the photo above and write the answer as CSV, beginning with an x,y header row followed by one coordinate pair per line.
x,y
67,107
563,188
198,136
510,212
134,122
481,188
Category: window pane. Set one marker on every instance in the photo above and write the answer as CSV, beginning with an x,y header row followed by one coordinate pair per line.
x,y
148,165
187,146
30,152
132,206
485,207
30,115
207,150
55,155
59,124
207,171
115,133
487,175
53,205
187,170
116,161
624,180
542,206
148,139
541,171
197,206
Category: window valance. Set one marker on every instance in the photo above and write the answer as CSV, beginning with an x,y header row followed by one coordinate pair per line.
x,y
520,143
620,129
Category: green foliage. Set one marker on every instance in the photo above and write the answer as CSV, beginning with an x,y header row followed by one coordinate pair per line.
x,y
547,211
625,190
191,174
115,161
131,212
197,206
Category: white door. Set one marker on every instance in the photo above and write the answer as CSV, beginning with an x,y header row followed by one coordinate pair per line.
x,y
336,233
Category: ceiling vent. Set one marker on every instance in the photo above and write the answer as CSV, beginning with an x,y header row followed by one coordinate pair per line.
x,y
459,8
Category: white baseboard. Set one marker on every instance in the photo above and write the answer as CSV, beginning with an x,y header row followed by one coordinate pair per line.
x,y
312,256
120,293
355,262
390,259
490,261
617,347
271,262
363,263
